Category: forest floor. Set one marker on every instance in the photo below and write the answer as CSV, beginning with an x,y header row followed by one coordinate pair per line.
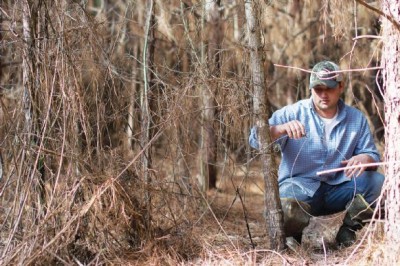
x,y
226,227
235,231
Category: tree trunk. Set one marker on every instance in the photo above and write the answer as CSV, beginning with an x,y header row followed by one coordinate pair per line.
x,y
1,79
135,46
1,48
130,129
182,172
273,208
25,70
148,56
135,88
208,148
209,141
391,80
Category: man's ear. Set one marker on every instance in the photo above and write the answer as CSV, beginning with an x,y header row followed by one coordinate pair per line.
x,y
341,86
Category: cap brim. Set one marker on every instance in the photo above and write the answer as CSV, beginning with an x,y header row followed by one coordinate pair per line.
x,y
328,83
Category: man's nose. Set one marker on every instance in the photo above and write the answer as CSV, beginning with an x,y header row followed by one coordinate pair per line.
x,y
324,93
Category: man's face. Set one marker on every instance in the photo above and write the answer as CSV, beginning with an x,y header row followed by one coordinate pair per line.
x,y
325,99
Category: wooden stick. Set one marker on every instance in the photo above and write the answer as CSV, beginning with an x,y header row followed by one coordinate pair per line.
x,y
353,166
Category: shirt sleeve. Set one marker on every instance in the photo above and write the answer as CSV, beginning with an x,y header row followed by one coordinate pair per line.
x,y
253,140
366,144
279,117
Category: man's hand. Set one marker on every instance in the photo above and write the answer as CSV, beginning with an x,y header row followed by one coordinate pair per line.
x,y
294,129
355,160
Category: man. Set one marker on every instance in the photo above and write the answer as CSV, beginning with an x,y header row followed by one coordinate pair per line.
x,y
318,134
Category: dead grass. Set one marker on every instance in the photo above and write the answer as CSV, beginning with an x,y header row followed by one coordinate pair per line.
x,y
102,222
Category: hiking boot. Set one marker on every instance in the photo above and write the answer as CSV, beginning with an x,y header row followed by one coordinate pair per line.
x,y
345,236
295,217
358,212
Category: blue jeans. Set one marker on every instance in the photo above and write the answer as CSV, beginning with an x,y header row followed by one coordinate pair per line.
x,y
330,199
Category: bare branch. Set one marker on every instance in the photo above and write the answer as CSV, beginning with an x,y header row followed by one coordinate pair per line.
x,y
388,17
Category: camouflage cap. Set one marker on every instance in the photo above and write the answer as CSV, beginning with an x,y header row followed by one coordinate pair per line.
x,y
324,73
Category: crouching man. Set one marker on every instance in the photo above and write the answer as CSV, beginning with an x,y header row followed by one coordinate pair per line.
x,y
318,134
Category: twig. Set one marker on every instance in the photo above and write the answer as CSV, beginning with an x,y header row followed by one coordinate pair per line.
x,y
245,218
367,36
323,245
353,166
345,70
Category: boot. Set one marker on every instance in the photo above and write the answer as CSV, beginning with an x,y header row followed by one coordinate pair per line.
x,y
358,212
295,217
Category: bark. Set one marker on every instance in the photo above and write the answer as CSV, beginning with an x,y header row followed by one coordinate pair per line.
x,y
1,48
273,208
391,79
1,78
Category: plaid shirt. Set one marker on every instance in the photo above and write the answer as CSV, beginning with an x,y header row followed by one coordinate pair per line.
x,y
303,158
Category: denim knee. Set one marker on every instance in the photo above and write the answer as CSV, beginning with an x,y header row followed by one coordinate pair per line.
x,y
293,191
374,182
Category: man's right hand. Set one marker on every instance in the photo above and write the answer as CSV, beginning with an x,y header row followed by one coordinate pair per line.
x,y
293,129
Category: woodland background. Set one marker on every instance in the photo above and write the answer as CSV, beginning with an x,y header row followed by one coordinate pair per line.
x,y
121,121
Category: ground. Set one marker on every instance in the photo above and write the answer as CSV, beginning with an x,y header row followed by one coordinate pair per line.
x,y
237,228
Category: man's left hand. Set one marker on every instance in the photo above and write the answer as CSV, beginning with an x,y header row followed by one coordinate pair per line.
x,y
356,160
